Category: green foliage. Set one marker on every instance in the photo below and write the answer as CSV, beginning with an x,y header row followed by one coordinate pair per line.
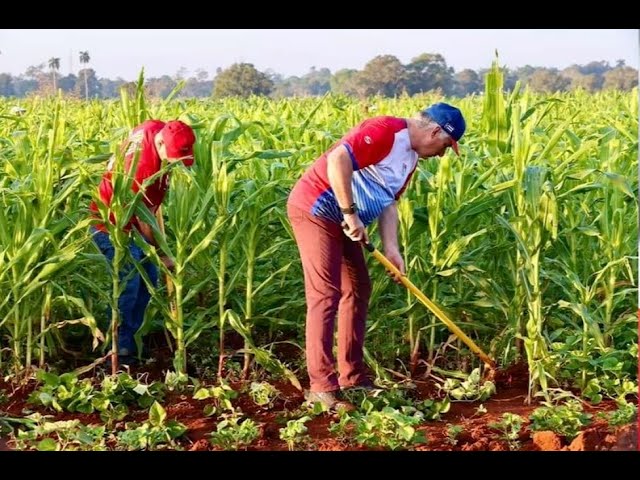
x,y
176,381
263,393
526,239
626,413
388,428
64,392
232,435
294,432
509,427
472,389
44,435
67,393
241,80
452,433
567,419
221,395
155,434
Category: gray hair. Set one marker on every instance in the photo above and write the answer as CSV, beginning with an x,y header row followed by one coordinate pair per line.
x,y
423,120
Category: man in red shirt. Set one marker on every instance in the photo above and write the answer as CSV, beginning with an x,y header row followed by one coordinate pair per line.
x,y
154,142
358,180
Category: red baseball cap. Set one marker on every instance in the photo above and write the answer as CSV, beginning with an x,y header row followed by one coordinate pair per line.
x,y
178,140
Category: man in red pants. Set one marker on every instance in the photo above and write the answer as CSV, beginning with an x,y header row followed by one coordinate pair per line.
x,y
358,180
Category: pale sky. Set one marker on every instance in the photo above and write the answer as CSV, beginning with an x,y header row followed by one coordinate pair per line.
x,y
122,53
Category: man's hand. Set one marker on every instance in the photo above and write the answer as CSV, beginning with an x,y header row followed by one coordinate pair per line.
x,y
167,262
354,228
396,259
147,232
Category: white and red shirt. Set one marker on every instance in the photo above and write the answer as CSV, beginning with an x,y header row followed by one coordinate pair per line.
x,y
141,139
383,163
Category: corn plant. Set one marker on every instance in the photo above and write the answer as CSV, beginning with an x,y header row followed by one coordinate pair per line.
x,y
188,210
38,237
256,208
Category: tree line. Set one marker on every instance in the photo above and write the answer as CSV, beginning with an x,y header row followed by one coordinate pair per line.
x,y
383,75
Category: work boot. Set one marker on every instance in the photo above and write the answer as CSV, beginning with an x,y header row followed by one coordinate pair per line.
x,y
330,401
366,385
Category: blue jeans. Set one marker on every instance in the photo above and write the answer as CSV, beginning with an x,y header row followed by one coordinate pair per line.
x,y
135,297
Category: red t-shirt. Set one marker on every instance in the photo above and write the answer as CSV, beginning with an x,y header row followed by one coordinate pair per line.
x,y
149,163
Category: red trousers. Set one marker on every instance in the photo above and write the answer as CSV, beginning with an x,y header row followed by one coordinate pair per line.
x,y
336,280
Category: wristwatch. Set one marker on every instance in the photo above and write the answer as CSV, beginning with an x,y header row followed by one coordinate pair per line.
x,y
350,209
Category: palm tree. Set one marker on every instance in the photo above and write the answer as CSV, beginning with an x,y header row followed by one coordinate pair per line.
x,y
54,65
84,58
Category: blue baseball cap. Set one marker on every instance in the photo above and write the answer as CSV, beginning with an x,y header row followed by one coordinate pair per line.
x,y
450,119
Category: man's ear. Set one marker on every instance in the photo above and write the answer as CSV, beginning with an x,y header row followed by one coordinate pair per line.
x,y
435,131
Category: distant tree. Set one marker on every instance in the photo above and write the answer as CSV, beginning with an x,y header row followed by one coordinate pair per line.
x,y
202,75
467,82
589,81
621,78
345,81
242,80
54,66
548,80
428,71
36,80
383,75
317,82
280,86
84,59
288,87
130,87
110,88
598,68
196,88
35,71
574,75
68,83
92,86
524,74
22,85
160,87
6,85
181,74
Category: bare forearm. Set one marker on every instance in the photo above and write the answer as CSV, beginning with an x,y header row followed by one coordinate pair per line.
x,y
147,232
340,172
388,225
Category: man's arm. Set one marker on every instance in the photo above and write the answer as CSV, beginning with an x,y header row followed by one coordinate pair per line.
x,y
339,173
147,232
388,226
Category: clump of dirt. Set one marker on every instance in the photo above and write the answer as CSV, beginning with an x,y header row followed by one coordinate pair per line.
x,y
547,441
